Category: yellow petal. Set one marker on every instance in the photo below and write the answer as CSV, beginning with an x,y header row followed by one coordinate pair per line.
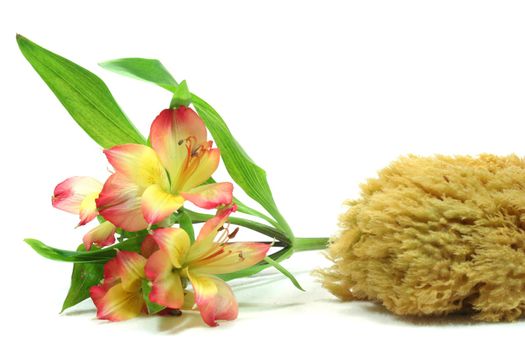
x,y
175,242
118,304
88,208
231,258
131,269
139,163
198,169
158,204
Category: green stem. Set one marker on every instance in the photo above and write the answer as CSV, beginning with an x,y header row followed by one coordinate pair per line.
x,y
302,244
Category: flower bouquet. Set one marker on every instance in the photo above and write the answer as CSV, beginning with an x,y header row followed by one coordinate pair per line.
x,y
141,255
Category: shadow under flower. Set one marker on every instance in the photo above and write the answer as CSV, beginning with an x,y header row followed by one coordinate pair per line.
x,y
178,324
80,312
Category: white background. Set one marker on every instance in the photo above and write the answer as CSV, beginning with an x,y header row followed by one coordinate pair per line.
x,y
321,94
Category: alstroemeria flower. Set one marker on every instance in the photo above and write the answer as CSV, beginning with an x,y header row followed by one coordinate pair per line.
x,y
77,195
119,296
178,261
150,183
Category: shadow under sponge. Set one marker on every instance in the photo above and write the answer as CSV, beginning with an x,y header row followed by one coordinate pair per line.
x,y
434,236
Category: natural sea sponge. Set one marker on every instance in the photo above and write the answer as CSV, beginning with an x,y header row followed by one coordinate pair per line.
x,y
434,236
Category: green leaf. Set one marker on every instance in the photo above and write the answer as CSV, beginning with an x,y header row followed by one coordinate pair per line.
x,y
143,69
83,277
93,256
243,170
83,94
284,271
248,175
186,224
153,308
181,96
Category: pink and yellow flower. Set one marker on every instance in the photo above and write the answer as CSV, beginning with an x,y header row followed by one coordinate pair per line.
x,y
150,183
77,195
119,296
178,261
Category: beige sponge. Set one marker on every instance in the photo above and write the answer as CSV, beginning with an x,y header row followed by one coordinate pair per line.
x,y
434,236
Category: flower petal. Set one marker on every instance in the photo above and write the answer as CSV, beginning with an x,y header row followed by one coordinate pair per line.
x,y
111,274
69,194
212,225
88,208
117,304
131,269
204,242
148,246
158,204
139,164
175,242
102,235
214,298
158,265
169,132
232,257
199,169
211,195
166,287
120,203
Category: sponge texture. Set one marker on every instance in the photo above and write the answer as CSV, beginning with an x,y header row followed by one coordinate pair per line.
x,y
436,235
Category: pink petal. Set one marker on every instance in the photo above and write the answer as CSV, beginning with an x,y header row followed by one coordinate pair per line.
x,y
214,298
69,194
148,246
211,195
120,203
167,287
102,235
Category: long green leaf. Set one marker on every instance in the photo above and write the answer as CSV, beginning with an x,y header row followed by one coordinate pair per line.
x,y
243,170
93,256
144,69
284,271
83,277
248,175
83,94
